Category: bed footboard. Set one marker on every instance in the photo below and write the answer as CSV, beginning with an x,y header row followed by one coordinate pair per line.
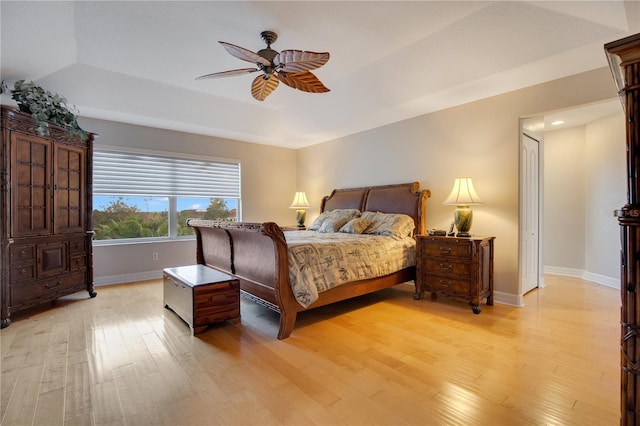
x,y
256,254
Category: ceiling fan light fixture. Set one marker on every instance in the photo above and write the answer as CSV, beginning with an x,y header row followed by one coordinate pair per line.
x,y
292,67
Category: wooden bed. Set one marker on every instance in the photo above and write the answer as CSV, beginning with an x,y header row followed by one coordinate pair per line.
x,y
256,253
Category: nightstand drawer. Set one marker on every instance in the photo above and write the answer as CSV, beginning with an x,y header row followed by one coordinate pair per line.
x,y
448,285
447,249
446,266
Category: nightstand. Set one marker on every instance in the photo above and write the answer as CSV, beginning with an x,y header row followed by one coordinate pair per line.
x,y
456,267
293,228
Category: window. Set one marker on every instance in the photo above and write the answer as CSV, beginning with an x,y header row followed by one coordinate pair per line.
x,y
148,196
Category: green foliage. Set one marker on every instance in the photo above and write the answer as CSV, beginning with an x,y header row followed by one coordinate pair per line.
x,y
119,220
46,107
217,210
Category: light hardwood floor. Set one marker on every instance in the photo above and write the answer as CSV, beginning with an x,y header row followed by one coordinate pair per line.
x,y
122,359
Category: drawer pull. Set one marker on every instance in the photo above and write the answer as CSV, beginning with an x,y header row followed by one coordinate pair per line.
x,y
52,285
446,266
445,250
445,284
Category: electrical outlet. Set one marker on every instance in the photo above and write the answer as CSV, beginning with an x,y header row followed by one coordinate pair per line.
x,y
155,256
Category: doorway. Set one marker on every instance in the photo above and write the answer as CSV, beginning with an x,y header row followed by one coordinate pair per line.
x,y
584,158
531,276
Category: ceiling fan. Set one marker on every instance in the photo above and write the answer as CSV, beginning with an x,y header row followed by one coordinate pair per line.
x,y
292,67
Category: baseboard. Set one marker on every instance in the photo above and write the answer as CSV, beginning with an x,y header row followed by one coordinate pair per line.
x,y
582,274
508,299
603,280
127,278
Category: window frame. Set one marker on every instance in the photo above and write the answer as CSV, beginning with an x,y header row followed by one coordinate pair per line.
x,y
172,199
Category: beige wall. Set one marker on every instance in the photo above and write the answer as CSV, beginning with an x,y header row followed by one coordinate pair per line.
x,y
564,200
268,183
606,191
584,182
479,139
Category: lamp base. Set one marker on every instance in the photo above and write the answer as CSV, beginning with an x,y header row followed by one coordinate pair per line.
x,y
301,215
463,217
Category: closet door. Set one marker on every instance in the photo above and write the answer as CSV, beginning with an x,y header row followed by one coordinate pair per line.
x,y
30,186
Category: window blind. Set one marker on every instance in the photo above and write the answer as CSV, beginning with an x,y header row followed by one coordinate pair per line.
x,y
132,173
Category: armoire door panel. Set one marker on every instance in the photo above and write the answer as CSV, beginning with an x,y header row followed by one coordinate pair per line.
x,y
69,196
30,186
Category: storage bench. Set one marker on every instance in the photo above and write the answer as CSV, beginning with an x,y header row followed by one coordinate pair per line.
x,y
201,295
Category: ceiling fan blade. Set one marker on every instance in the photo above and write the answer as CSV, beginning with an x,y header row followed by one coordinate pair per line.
x,y
300,60
244,54
305,81
229,73
262,87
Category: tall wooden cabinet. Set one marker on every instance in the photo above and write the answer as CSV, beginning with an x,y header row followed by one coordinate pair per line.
x,y
46,204
624,61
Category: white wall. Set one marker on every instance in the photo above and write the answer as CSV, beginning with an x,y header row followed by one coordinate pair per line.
x,y
479,139
268,177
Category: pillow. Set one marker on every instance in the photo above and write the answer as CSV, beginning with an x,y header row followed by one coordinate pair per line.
x,y
332,224
337,213
315,226
357,225
390,224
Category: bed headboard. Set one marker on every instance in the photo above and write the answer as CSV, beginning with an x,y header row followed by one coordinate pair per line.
x,y
405,198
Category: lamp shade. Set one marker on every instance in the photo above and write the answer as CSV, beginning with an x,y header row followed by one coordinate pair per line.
x,y
463,193
299,201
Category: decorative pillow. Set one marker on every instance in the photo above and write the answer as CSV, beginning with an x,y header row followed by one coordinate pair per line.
x,y
356,225
336,214
332,224
391,224
315,226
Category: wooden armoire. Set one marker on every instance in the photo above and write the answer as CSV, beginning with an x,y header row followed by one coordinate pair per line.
x,y
46,204
624,60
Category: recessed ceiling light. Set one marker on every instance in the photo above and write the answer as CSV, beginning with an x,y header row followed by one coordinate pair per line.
x,y
557,122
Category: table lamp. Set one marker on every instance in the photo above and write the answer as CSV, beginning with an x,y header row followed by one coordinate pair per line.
x,y
463,195
300,203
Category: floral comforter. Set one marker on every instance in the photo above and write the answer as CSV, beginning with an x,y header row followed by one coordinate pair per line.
x,y
320,261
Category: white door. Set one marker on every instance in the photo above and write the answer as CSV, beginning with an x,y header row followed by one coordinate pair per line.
x,y
530,217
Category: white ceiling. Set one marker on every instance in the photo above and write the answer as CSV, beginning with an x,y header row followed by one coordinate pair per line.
x,y
136,62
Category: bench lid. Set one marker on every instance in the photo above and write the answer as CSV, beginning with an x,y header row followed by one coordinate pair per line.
x,y
194,275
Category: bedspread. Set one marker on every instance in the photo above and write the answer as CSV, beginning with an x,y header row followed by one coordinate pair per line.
x,y
320,261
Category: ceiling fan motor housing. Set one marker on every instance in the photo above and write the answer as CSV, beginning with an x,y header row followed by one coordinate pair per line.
x,y
267,54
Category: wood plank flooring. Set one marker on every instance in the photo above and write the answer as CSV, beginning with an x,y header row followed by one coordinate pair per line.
x,y
385,358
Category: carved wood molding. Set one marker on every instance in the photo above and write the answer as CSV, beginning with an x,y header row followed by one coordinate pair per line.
x,y
21,122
